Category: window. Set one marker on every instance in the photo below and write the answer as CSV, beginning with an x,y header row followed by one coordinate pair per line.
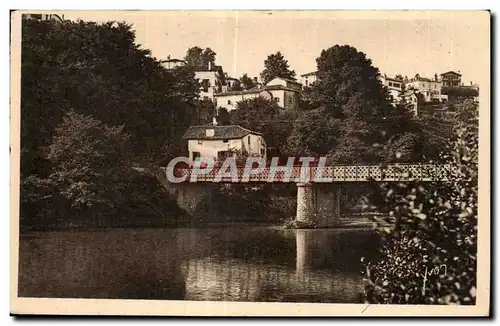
x,y
225,141
228,101
200,141
248,138
205,84
206,98
277,99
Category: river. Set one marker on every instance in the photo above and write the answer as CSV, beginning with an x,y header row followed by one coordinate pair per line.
x,y
232,263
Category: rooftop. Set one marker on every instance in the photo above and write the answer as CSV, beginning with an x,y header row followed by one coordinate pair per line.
x,y
289,80
256,89
309,74
220,132
451,72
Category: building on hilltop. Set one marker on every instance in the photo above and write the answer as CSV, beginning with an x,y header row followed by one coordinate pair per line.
x,y
308,79
429,88
220,142
413,99
285,92
232,82
394,86
451,79
212,81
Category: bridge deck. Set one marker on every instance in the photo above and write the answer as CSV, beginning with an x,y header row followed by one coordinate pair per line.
x,y
327,174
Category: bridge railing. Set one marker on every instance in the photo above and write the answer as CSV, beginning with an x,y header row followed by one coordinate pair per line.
x,y
330,174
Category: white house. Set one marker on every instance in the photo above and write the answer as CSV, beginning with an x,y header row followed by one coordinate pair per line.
x,y
430,89
211,81
412,99
220,142
309,78
285,92
208,83
394,86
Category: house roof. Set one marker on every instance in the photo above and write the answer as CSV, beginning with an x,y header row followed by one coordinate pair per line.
x,y
220,132
309,74
392,79
451,72
279,87
248,91
256,89
287,80
422,79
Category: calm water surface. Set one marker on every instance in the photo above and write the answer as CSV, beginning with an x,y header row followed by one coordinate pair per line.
x,y
240,263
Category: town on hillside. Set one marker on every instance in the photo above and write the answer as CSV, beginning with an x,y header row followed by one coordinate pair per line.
x,y
421,95
179,157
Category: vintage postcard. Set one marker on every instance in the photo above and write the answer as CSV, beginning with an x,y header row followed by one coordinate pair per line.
x,y
250,163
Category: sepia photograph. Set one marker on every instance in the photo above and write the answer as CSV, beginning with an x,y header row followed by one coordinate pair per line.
x,y
238,163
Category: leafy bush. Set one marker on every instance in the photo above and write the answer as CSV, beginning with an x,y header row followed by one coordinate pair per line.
x,y
92,182
429,255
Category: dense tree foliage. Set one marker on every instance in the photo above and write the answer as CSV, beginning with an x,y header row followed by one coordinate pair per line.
x,y
351,118
98,71
199,58
431,235
276,66
223,117
92,181
461,92
247,82
264,116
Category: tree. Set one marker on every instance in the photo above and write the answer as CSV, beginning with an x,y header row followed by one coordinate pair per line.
x,y
98,70
349,92
90,163
264,116
432,227
223,117
247,82
276,66
460,93
313,133
198,58
236,86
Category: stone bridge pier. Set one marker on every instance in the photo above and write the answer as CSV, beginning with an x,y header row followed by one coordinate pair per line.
x,y
318,204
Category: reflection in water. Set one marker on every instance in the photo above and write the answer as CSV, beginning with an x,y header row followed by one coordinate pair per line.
x,y
230,264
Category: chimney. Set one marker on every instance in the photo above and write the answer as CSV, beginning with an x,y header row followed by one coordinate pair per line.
x,y
210,66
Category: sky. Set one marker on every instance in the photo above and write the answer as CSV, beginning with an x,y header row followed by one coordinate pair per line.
x,y
397,42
